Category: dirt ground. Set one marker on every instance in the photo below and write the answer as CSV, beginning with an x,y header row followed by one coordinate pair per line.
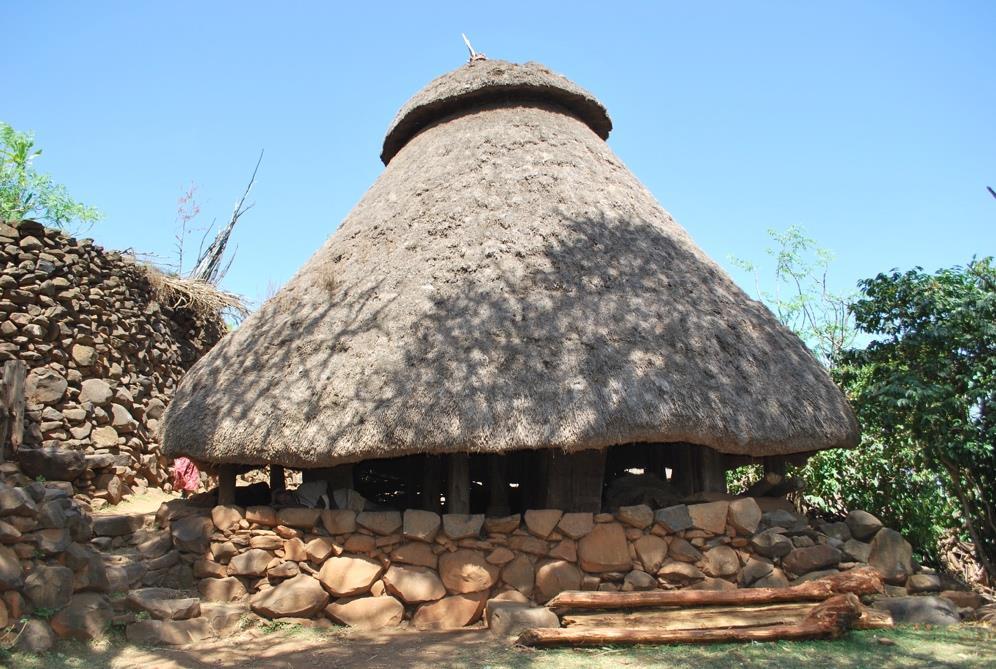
x,y
295,647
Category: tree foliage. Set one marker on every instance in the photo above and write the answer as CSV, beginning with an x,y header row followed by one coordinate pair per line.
x,y
800,294
927,381
27,193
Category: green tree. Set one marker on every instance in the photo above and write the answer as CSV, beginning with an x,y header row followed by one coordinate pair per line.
x,y
927,380
27,193
801,297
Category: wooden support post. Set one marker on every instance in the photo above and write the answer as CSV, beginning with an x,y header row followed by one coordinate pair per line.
x,y
685,471
432,478
575,480
458,484
226,484
712,472
775,464
497,486
278,481
12,406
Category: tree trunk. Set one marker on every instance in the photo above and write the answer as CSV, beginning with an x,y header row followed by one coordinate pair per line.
x,y
860,581
575,480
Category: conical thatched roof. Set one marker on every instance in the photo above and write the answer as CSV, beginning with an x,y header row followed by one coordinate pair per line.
x,y
505,284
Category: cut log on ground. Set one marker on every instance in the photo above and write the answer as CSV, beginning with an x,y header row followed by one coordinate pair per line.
x,y
857,581
694,618
828,620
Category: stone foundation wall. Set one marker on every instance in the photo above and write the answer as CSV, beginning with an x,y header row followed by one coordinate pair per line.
x,y
376,568
104,357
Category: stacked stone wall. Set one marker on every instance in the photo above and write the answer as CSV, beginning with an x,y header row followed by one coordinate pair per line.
x,y
378,568
104,355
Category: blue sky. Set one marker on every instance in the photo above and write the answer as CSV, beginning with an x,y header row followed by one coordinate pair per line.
x,y
870,124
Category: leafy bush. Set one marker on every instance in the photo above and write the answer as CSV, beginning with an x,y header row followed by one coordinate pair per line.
x,y
27,193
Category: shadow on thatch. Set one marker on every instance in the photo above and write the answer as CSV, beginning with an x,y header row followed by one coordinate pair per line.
x,y
598,339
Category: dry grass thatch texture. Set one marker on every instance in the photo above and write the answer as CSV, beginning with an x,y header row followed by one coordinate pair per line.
x,y
202,298
505,284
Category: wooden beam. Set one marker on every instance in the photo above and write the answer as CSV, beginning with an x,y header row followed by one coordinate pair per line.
x,y
829,620
226,484
712,473
694,618
458,484
12,406
860,581
498,505
432,470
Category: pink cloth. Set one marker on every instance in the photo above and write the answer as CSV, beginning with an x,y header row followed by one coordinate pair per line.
x,y
185,474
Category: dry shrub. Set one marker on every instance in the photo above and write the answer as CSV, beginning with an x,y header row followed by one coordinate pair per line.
x,y
202,298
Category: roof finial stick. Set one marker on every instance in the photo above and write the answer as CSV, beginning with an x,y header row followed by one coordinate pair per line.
x,y
473,54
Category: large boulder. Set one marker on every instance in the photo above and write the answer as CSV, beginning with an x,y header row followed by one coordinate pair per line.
x,y
371,613
576,524
417,553
771,544
35,637
892,556
920,610
53,464
465,571
228,589
413,584
804,560
710,516
87,616
744,515
298,597
251,563
604,549
509,619
863,525
116,525
554,577
49,587
652,551
44,386
380,522
450,612
519,574
420,525
164,603
192,534
349,575
463,526
674,518
95,391
541,522
721,561
11,573
639,516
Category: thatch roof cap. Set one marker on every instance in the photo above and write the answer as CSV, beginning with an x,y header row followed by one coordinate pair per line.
x,y
505,284
480,82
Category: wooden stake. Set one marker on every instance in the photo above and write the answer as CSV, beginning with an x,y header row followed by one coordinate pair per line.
x,y
458,490
432,470
226,484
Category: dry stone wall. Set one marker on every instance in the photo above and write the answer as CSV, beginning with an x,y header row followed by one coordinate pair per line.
x,y
377,568
104,357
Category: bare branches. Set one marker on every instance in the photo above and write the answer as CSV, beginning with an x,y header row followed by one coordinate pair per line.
x,y
209,267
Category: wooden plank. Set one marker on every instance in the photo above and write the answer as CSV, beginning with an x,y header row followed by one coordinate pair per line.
x,y
862,581
432,470
828,620
694,618
12,406
712,474
458,484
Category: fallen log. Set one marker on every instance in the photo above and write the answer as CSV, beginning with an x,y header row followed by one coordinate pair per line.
x,y
873,619
694,618
860,581
828,620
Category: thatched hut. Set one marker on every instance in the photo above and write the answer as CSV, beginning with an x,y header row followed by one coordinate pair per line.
x,y
505,311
